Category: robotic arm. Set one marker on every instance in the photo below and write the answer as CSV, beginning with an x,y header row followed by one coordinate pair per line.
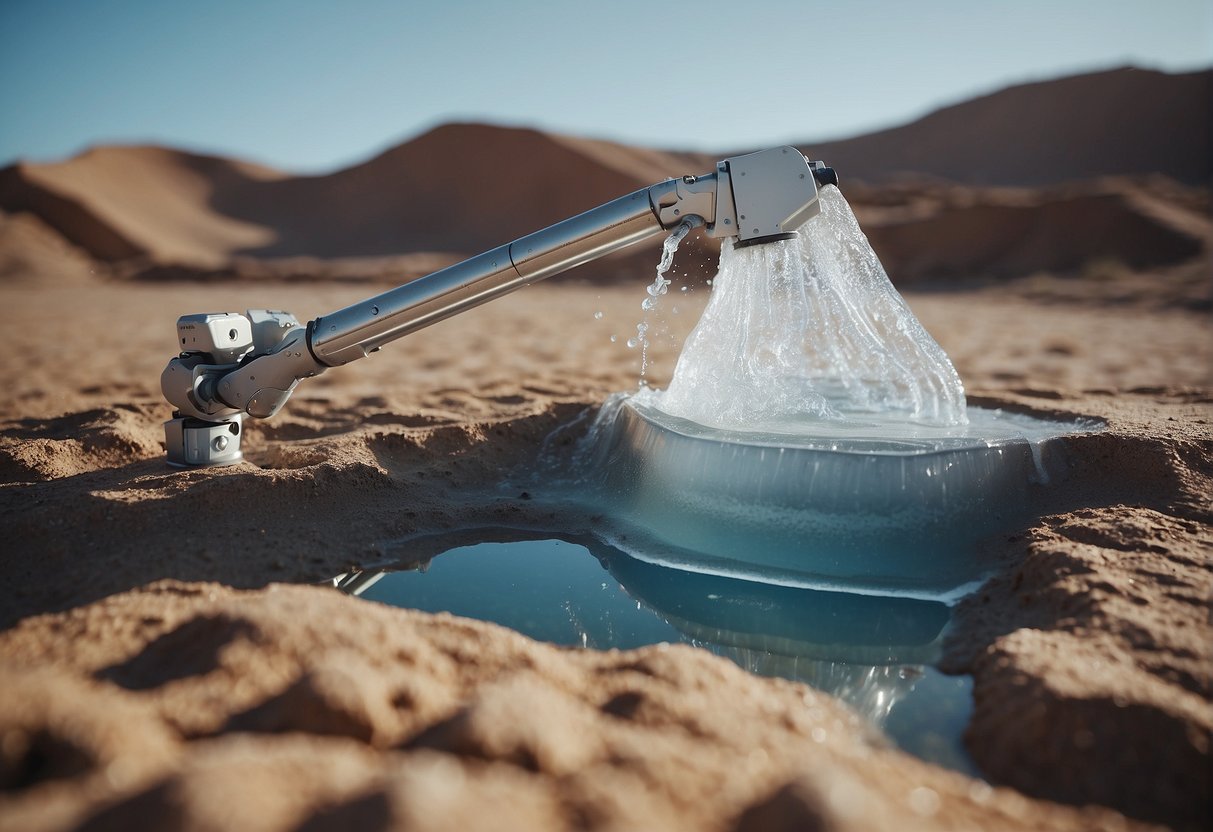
x,y
232,365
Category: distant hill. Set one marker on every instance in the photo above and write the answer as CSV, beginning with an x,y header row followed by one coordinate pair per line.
x,y
119,203
1122,122
457,188
463,188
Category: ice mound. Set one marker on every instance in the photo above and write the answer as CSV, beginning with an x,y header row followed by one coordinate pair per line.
x,y
809,330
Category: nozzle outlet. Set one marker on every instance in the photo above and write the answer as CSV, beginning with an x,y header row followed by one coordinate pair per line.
x,y
824,175
761,241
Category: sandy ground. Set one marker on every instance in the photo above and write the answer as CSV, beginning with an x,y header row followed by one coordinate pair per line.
x,y
155,672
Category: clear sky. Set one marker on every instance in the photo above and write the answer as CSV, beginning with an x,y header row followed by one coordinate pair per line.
x,y
311,86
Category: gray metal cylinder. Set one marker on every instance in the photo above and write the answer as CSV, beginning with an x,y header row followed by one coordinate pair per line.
x,y
355,331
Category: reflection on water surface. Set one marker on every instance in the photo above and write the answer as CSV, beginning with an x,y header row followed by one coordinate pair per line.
x,y
875,653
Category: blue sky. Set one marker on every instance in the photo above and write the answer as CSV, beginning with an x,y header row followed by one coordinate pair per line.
x,y
312,86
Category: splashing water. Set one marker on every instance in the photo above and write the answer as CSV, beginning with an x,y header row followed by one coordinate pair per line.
x,y
815,435
659,287
660,284
809,330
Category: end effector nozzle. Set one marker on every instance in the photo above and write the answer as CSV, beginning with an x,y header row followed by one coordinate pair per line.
x,y
755,198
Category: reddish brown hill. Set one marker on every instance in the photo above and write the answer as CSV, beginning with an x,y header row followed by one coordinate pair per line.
x,y
122,202
1120,122
957,233
458,188
463,188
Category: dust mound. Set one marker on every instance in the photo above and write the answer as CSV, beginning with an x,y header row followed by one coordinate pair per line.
x,y
47,449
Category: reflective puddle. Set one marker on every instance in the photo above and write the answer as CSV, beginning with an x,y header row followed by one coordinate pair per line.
x,y
873,652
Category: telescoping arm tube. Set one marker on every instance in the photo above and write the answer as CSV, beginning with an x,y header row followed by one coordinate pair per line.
x,y
233,365
783,197
358,330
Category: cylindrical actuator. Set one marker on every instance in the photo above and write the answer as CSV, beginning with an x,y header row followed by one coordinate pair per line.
x,y
355,331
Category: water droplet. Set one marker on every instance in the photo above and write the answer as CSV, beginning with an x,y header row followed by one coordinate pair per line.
x,y
924,801
980,792
598,315
632,342
614,338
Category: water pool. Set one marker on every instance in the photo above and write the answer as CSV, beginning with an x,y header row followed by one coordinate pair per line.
x,y
875,653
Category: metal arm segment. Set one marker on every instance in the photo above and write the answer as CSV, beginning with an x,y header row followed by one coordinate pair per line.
x,y
358,330
235,364
757,197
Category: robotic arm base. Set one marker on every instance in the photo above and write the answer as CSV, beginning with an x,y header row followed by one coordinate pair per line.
x,y
193,443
